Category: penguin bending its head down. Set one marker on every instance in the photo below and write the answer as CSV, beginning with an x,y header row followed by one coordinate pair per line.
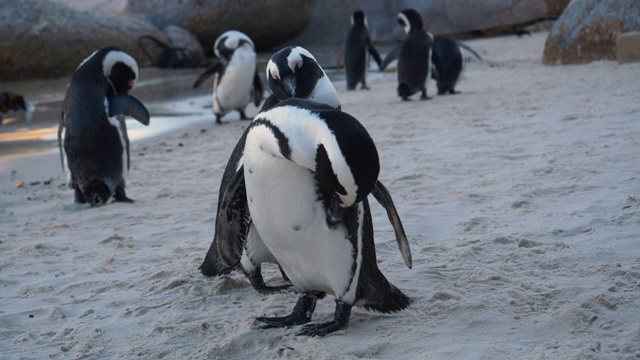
x,y
13,102
292,73
358,46
414,60
236,81
449,63
308,170
92,133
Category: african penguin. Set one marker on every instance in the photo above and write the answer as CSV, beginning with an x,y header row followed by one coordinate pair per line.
x,y
308,169
358,46
294,72
448,63
10,102
414,60
291,72
92,133
236,81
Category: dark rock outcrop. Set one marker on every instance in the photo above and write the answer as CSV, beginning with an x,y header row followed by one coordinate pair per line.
x,y
587,31
44,39
267,23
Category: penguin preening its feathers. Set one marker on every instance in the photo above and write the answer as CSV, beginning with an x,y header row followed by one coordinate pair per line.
x,y
92,134
292,73
236,81
308,169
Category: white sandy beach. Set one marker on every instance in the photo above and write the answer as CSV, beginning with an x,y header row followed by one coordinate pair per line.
x,y
514,195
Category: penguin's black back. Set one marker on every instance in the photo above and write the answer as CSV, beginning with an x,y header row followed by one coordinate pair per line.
x,y
93,145
413,60
448,61
355,57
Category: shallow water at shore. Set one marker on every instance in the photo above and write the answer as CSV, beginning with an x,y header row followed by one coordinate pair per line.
x,y
167,93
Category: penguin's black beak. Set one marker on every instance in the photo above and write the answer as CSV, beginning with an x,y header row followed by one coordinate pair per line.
x,y
335,212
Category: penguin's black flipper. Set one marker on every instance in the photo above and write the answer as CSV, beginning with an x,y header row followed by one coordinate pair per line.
x,y
392,55
124,104
233,220
374,53
258,89
214,68
382,195
466,47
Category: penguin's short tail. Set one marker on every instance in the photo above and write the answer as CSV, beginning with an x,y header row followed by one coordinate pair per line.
x,y
387,300
404,91
213,265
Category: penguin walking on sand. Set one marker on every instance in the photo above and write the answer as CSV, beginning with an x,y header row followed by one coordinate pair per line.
x,y
358,47
92,133
236,81
308,169
414,57
449,63
292,73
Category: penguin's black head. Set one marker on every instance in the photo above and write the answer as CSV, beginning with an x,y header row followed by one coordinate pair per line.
x,y
122,77
120,69
410,20
96,193
11,101
293,72
358,18
228,42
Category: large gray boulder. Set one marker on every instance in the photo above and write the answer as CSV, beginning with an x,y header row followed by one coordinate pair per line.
x,y
267,23
588,29
331,19
44,39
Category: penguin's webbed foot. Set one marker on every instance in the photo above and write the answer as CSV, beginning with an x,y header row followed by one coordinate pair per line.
x,y
243,116
121,196
218,121
340,321
255,277
301,314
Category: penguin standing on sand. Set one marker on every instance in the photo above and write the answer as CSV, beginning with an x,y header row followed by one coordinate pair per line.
x,y
92,133
448,63
14,102
414,60
358,46
236,81
292,73
308,169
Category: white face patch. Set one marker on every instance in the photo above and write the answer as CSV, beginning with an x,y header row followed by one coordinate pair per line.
x,y
294,60
232,41
272,71
407,24
114,57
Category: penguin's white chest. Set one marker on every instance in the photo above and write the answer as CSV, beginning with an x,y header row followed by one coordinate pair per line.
x,y
232,91
291,220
